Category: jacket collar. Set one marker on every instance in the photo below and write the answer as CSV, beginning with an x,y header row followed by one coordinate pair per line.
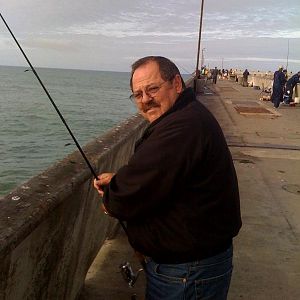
x,y
187,96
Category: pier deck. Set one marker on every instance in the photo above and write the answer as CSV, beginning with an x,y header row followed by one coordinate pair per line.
x,y
265,145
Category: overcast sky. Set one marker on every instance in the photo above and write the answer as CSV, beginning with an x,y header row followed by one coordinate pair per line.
x,y
110,35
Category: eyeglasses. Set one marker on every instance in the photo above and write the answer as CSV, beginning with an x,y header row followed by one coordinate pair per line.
x,y
150,91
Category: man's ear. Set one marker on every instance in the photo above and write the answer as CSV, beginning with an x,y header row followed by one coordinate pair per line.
x,y
178,83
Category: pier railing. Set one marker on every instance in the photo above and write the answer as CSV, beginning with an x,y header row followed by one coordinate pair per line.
x,y
52,226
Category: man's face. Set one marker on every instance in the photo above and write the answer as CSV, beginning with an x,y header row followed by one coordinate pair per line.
x,y
154,96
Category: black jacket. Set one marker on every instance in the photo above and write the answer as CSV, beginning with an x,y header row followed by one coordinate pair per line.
x,y
179,191
293,81
279,79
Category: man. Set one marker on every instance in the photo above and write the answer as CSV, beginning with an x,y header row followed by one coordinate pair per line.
x,y
245,77
178,193
291,83
215,73
278,86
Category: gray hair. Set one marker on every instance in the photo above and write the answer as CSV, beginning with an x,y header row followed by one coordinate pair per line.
x,y
168,70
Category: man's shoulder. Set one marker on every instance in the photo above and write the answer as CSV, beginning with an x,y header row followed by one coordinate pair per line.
x,y
189,117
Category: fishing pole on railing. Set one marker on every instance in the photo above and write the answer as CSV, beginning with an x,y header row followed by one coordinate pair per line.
x,y
125,268
51,100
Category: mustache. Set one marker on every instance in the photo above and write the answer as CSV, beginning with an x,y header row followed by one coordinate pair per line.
x,y
146,106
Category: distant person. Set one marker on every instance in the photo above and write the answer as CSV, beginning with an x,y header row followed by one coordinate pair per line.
x,y
223,73
291,83
203,70
226,74
220,74
278,86
178,194
245,77
214,74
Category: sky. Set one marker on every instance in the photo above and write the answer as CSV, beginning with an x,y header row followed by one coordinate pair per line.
x,y
111,35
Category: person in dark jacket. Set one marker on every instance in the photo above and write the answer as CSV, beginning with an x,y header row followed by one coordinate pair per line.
x,y
215,73
278,86
245,77
290,84
179,192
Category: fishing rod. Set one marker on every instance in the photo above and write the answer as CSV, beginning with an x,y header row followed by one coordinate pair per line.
x,y
128,274
52,101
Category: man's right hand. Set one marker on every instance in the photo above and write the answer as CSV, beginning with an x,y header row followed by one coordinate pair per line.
x,y
104,179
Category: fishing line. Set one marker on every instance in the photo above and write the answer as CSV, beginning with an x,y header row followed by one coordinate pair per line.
x,y
184,69
51,100
57,110
125,268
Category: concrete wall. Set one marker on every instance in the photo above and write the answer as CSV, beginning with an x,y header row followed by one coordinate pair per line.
x,y
262,80
52,227
296,93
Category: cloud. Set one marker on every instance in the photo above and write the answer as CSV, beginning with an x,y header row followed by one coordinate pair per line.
x,y
233,33
262,59
259,22
287,33
112,30
49,43
124,29
6,43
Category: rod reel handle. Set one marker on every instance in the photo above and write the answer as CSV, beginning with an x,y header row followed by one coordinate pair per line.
x,y
128,274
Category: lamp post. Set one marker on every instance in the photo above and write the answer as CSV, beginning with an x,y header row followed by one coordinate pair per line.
x,y
288,53
202,57
199,38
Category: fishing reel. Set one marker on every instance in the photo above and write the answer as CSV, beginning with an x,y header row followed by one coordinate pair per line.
x,y
128,274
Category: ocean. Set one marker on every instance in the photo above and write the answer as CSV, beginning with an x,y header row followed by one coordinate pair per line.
x,y
32,136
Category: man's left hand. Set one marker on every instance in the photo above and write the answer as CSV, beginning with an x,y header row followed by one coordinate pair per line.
x,y
104,179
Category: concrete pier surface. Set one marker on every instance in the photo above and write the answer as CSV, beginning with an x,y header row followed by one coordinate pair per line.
x,y
265,145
